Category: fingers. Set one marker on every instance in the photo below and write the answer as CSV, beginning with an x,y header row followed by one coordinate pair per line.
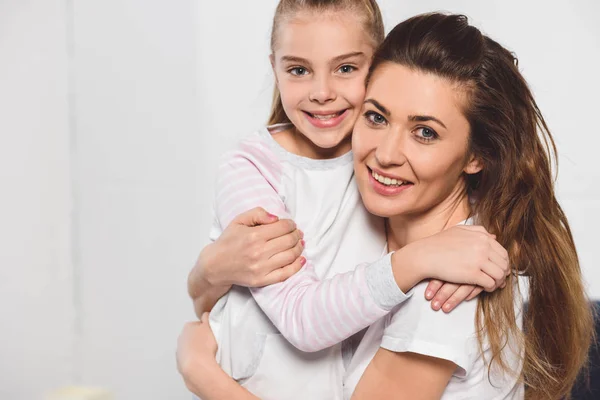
x,y
496,272
461,294
204,318
284,258
443,295
432,288
486,281
281,274
276,229
254,217
501,264
283,243
475,228
500,252
475,292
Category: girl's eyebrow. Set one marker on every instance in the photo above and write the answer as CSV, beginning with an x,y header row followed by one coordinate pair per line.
x,y
347,55
295,59
336,59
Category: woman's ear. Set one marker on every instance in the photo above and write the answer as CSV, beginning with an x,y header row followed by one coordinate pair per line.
x,y
473,166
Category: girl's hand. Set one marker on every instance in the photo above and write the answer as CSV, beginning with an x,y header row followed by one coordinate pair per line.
x,y
196,351
446,296
461,254
256,249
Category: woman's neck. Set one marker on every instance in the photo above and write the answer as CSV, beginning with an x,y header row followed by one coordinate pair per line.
x,y
402,230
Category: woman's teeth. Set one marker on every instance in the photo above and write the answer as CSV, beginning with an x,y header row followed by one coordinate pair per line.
x,y
385,180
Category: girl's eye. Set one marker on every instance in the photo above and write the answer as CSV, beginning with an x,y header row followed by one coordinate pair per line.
x,y
374,118
298,71
426,134
346,69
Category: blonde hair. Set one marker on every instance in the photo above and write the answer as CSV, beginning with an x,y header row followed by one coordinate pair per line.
x,y
368,10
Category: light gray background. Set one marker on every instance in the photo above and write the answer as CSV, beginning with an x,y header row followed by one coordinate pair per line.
x,y
112,116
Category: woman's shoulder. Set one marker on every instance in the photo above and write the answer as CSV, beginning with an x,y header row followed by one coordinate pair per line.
x,y
415,327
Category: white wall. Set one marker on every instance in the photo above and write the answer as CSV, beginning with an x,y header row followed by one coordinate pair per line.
x,y
137,150
112,116
36,304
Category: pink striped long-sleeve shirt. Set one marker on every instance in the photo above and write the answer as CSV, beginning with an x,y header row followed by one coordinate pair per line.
x,y
330,298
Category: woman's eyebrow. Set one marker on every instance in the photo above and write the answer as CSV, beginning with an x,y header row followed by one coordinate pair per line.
x,y
381,108
425,118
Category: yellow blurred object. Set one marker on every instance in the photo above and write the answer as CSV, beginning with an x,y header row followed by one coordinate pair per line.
x,y
80,393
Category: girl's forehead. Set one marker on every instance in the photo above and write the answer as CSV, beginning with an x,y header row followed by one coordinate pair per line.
x,y
312,32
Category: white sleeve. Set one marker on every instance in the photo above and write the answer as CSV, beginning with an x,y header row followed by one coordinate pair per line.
x,y
414,327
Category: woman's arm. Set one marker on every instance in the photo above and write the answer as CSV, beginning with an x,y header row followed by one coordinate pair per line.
x,y
404,376
204,294
254,250
196,350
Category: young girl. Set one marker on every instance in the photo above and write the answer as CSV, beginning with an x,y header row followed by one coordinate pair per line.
x,y
302,168
440,90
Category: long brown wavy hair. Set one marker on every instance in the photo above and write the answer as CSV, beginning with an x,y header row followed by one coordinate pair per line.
x,y
367,10
514,199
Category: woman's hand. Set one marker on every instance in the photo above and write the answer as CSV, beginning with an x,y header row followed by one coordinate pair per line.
x,y
196,351
256,249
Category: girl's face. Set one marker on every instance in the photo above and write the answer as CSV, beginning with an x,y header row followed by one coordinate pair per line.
x,y
320,64
411,142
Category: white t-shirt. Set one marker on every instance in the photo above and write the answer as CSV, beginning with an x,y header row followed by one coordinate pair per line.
x,y
261,332
414,327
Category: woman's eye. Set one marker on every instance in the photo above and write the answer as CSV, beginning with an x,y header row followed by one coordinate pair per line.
x,y
375,118
346,69
298,71
427,133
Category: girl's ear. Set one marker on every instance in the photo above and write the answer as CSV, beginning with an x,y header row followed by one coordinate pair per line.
x,y
473,166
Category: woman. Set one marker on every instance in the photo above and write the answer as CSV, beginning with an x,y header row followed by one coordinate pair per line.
x,y
449,116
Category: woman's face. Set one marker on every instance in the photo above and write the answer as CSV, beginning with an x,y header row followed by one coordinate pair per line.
x,y
411,142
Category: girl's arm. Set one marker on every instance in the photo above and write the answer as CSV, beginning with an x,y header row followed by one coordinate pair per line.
x,y
313,314
310,313
404,376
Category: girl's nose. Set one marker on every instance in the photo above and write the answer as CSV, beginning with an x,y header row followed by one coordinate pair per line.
x,y
322,91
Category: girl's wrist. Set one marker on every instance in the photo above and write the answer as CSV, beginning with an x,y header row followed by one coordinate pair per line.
x,y
406,268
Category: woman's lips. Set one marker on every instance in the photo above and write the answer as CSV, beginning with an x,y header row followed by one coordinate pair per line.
x,y
387,189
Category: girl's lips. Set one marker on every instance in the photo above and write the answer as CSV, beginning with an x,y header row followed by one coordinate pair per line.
x,y
330,122
384,190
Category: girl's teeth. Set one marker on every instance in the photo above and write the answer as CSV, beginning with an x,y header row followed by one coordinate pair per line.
x,y
385,180
325,117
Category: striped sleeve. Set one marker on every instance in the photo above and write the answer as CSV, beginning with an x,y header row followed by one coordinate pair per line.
x,y
312,314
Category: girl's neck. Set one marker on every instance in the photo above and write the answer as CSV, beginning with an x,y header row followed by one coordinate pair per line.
x,y
402,230
296,143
